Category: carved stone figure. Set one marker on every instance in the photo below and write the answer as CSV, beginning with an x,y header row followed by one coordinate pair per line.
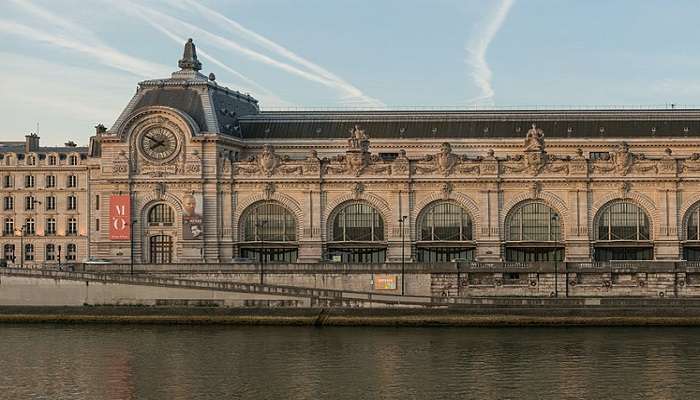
x,y
357,159
267,163
692,164
535,159
534,140
623,161
444,163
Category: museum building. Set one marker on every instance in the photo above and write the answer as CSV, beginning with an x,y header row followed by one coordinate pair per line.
x,y
194,172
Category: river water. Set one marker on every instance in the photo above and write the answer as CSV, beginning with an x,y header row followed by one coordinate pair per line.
x,y
45,361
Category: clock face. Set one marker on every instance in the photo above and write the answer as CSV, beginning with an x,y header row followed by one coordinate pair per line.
x,y
159,143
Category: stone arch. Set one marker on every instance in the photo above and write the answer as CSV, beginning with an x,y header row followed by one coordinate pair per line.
x,y
135,121
143,206
286,201
459,198
375,201
547,198
637,198
687,206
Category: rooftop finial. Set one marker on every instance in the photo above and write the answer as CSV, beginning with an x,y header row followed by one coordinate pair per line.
x,y
189,57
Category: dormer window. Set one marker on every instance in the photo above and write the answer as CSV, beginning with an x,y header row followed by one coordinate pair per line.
x,y
73,160
52,160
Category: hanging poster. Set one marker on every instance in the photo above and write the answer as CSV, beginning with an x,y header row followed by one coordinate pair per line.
x,y
119,217
192,226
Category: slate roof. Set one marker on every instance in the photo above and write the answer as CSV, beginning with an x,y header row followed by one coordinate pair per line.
x,y
472,124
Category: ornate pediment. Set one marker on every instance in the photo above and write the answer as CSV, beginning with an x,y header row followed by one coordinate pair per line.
x,y
535,159
444,163
623,161
357,159
268,163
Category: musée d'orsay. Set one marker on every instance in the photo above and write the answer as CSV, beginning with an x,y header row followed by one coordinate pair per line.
x,y
192,172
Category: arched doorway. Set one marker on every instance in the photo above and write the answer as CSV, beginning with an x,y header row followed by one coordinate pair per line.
x,y
357,234
269,233
445,233
160,221
622,232
533,233
160,249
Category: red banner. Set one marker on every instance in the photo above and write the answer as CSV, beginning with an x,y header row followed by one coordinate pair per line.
x,y
119,217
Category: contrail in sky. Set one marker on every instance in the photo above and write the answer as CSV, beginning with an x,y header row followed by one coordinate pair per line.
x,y
104,54
476,52
222,20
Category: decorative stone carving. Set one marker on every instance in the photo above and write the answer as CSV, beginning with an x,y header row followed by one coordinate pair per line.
x,y
120,164
667,164
194,163
625,188
357,159
535,189
267,163
401,164
446,190
445,163
312,164
534,140
578,164
358,189
489,164
692,164
269,190
535,159
623,161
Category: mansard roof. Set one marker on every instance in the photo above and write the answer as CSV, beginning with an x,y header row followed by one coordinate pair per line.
x,y
600,124
214,108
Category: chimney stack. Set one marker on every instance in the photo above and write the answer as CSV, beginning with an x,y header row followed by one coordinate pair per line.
x,y
31,143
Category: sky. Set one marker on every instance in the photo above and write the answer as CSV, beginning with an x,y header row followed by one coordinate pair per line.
x,y
70,64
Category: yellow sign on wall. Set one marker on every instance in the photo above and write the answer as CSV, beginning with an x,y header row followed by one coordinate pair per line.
x,y
385,282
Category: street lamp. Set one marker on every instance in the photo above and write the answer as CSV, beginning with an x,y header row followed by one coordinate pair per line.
x,y
258,226
21,246
402,220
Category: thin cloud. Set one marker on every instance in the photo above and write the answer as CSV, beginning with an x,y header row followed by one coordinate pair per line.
x,y
476,53
103,54
352,94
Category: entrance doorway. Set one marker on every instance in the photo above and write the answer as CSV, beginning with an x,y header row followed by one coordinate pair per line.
x,y
161,249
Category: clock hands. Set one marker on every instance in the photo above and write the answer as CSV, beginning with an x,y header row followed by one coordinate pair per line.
x,y
158,143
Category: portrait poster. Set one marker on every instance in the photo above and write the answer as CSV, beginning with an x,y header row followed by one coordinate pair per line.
x,y
119,217
192,226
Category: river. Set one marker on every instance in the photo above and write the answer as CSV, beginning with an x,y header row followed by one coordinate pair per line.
x,y
46,361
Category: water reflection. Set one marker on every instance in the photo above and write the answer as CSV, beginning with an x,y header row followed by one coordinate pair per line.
x,y
203,362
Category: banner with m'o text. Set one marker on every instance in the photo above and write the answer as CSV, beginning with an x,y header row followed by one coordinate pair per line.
x,y
119,217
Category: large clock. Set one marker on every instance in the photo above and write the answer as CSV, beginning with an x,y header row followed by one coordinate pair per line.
x,y
158,144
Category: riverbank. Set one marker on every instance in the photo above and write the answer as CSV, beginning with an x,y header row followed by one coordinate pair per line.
x,y
410,317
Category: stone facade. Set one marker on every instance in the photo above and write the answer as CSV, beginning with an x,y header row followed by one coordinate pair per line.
x,y
186,137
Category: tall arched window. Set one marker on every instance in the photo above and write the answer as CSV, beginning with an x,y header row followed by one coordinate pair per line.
x,y
445,233
358,222
161,215
533,233
269,221
357,234
622,232
691,246
269,233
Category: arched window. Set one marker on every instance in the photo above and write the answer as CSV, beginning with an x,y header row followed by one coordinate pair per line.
x,y
533,221
358,222
161,215
357,234
269,233
622,232
269,221
443,229
533,233
445,221
691,248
